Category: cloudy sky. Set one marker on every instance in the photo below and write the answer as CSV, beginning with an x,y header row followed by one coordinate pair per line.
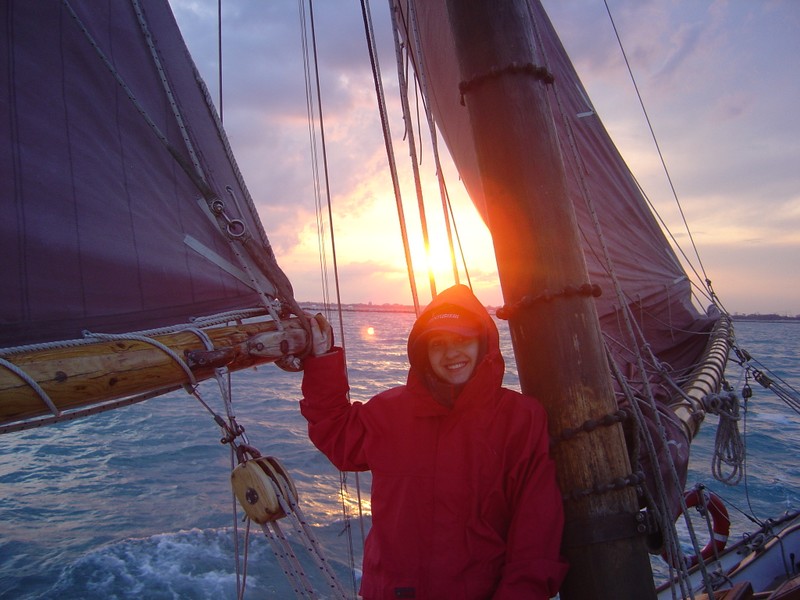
x,y
720,81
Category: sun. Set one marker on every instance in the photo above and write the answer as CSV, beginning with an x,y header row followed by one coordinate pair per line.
x,y
438,259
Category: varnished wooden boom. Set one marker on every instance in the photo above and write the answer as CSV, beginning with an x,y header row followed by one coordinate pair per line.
x,y
92,373
706,379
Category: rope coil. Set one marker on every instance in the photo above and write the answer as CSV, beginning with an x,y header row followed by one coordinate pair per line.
x,y
729,448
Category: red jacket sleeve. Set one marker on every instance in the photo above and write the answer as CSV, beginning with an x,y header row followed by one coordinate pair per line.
x,y
534,568
334,424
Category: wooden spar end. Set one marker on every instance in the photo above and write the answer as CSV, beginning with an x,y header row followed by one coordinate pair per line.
x,y
705,379
88,374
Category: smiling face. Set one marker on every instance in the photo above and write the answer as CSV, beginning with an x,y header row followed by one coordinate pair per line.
x,y
452,356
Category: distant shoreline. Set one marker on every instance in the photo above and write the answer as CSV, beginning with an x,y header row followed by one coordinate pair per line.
x,y
391,308
403,308
766,318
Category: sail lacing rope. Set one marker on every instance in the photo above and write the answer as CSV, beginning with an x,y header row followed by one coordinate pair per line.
x,y
30,381
634,479
92,338
203,321
619,483
590,425
147,340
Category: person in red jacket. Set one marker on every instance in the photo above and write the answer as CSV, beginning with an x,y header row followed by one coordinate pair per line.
x,y
464,496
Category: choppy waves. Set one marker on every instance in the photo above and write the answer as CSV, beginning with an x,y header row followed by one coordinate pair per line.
x,y
136,503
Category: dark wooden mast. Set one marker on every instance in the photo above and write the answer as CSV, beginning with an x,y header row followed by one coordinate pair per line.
x,y
554,326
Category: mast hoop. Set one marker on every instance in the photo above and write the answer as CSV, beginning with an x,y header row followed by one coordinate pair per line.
x,y
587,290
514,68
615,485
590,425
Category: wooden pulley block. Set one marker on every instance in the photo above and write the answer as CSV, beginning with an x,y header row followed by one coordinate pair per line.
x,y
279,476
258,484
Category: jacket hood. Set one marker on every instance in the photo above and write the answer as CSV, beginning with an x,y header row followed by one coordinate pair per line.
x,y
458,299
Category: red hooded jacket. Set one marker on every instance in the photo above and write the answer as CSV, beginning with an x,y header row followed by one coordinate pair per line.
x,y
464,500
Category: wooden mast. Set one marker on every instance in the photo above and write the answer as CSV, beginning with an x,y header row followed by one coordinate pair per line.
x,y
556,335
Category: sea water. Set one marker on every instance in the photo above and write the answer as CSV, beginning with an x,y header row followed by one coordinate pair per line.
x,y
136,502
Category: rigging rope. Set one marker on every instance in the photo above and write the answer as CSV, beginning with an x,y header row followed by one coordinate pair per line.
x,y
659,503
419,75
312,135
777,386
219,59
387,138
412,149
655,142
315,100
